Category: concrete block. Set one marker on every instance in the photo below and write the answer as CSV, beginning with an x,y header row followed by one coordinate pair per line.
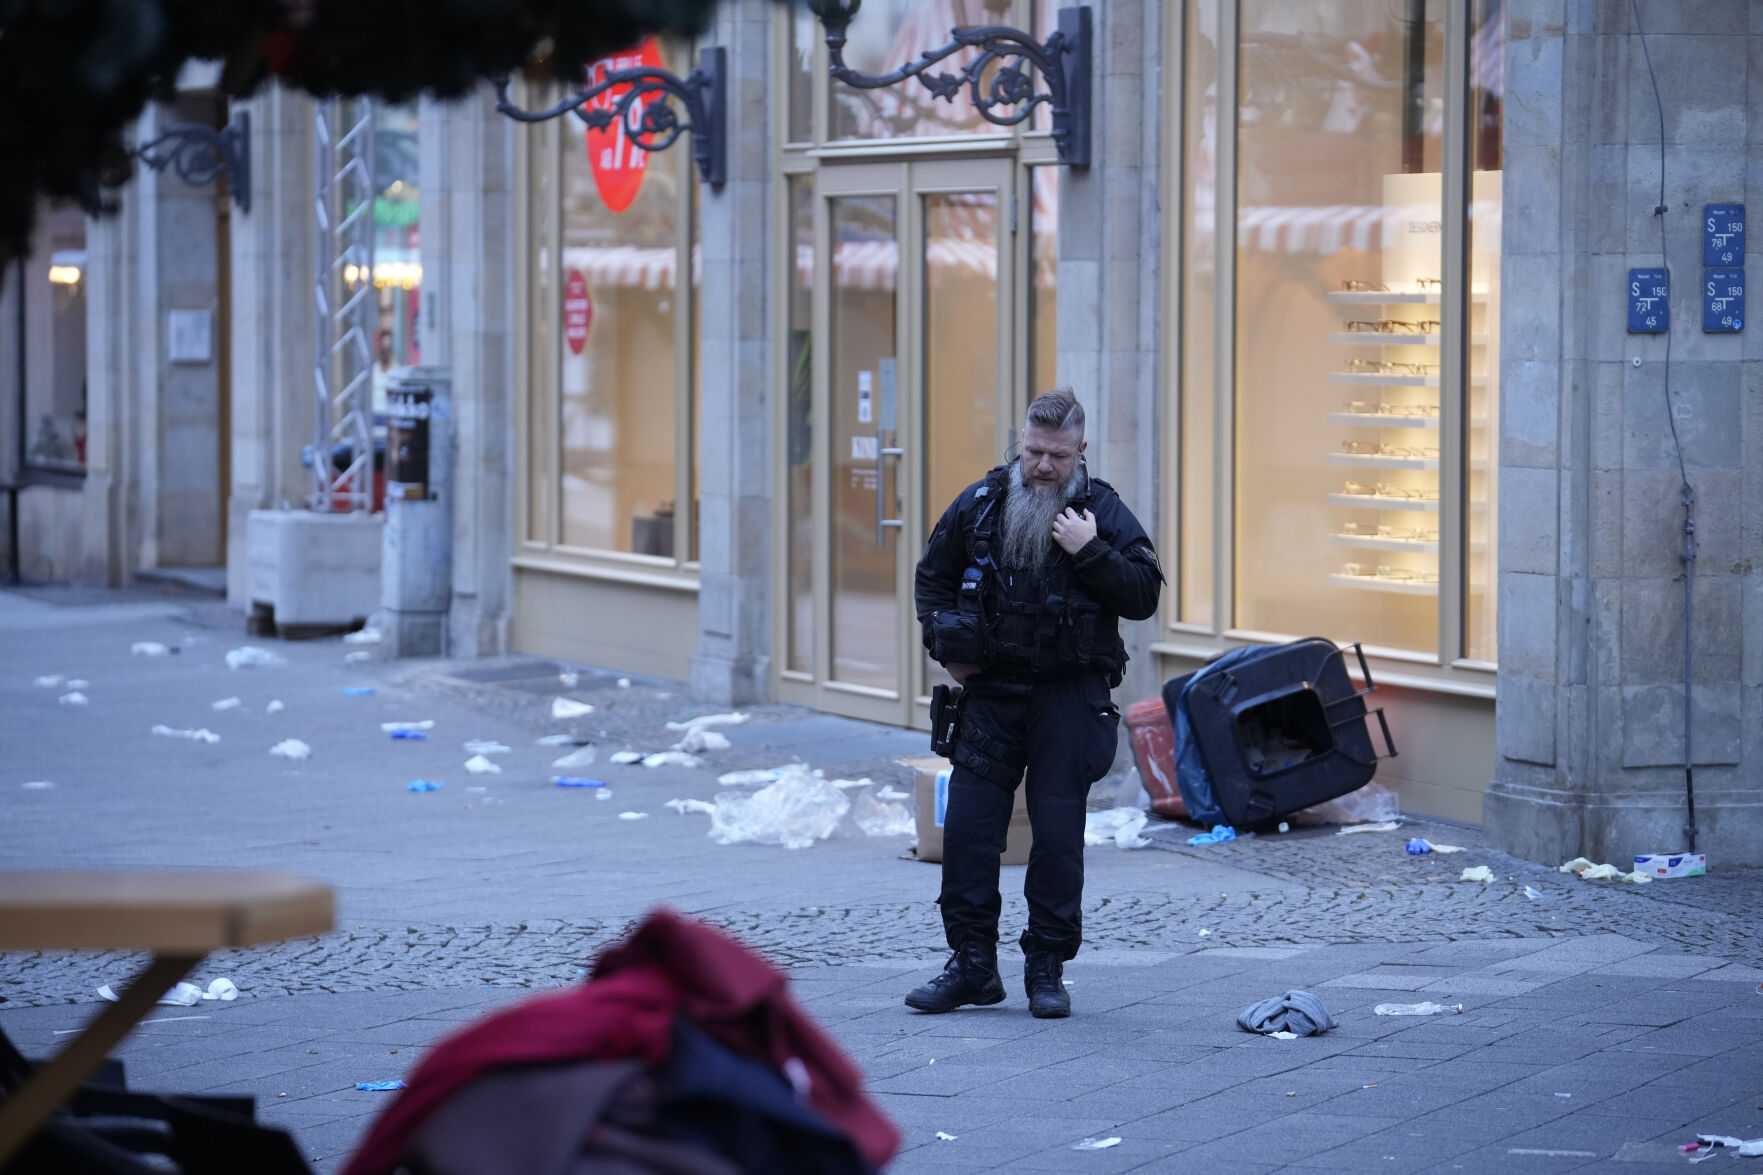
x,y
1527,624
1524,723
1606,224
1701,78
1535,823
1704,407
1532,220
1610,106
1751,629
1529,520
1604,647
1532,114
1530,314
1604,319
1718,17
1530,407
1754,84
1652,522
1652,724
1652,630
1607,394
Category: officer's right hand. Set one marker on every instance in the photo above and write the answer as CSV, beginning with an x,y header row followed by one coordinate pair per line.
x,y
961,671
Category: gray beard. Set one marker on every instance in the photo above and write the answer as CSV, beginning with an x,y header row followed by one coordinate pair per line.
x,y
1029,511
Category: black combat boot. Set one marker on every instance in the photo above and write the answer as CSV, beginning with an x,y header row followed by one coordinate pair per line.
x,y
971,977
1042,978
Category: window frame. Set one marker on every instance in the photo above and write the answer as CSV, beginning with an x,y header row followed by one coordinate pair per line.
x,y
1445,668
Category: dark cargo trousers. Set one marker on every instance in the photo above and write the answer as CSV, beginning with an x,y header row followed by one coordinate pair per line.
x,y
1065,731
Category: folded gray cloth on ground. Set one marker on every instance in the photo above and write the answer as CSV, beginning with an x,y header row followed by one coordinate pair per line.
x,y
1295,1011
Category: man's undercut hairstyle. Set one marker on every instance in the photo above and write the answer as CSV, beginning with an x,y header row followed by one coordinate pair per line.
x,y
1057,411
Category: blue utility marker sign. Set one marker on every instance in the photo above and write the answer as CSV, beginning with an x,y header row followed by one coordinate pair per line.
x,y
1649,297
1723,234
1723,300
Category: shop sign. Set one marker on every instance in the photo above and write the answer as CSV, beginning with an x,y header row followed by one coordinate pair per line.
x,y
1723,300
1649,298
1723,234
578,311
618,163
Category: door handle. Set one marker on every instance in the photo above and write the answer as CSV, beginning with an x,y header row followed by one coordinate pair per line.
x,y
882,521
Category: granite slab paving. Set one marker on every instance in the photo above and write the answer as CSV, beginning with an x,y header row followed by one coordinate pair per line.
x,y
1641,1003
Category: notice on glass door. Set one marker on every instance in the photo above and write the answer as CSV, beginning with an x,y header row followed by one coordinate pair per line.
x,y
865,398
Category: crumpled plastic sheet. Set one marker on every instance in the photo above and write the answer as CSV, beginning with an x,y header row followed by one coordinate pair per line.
x,y
671,759
252,657
1120,825
566,708
478,765
1427,1008
697,742
291,748
580,757
756,778
185,994
1219,834
1477,873
1301,1012
876,817
201,736
1372,804
794,812
148,649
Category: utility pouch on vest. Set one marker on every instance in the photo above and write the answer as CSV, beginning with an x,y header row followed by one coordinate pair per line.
x,y
959,634
946,705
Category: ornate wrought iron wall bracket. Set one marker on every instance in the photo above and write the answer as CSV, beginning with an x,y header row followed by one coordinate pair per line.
x,y
1010,96
198,153
646,112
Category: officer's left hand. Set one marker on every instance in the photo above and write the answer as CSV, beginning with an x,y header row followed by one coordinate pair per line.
x,y
1072,531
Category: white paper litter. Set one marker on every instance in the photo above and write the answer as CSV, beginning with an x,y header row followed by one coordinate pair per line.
x,y
624,683
696,742
221,989
358,656
291,748
672,759
274,708
706,721
148,649
1478,873
36,785
367,636
1095,1144
556,740
478,765
1422,1009
252,657
569,680
200,736
755,778
945,1136
876,818
633,815
486,746
627,757
74,699
794,812
684,806
1120,825
1284,1035
49,681
1205,934
1382,826
581,757
393,727
227,704
565,708
185,995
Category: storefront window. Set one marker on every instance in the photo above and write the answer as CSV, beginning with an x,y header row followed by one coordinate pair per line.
x,y
397,260
1487,60
54,288
804,35
1338,291
1199,319
799,427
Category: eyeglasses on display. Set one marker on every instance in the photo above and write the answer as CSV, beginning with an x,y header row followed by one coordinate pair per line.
x,y
1357,489
1367,408
1429,283
1408,533
1355,285
1377,449
1386,367
1396,574
1395,326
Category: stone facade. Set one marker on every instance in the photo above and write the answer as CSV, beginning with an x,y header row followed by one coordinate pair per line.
x,y
1590,718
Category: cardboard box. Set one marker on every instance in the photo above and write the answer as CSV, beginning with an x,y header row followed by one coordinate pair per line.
x,y
931,794
1672,864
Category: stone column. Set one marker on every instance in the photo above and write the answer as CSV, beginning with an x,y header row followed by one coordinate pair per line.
x,y
1590,727
1110,228
733,662
467,325
110,396
272,322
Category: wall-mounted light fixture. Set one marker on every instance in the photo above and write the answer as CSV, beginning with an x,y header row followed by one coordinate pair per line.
x,y
650,93
198,153
1010,97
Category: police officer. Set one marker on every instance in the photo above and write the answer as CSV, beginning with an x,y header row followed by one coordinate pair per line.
x,y
1019,595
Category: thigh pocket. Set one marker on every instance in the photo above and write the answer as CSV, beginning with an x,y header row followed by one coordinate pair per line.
x,y
1102,725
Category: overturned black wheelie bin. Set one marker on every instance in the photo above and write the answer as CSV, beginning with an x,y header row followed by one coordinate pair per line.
x,y
1268,730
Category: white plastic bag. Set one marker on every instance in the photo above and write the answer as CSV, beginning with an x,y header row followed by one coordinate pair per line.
x,y
1121,825
252,657
877,817
794,812
1372,804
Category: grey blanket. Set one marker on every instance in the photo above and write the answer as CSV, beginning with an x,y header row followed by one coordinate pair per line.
x,y
1295,1011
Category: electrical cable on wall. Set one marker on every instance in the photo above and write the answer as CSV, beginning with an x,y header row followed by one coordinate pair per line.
x,y
1688,494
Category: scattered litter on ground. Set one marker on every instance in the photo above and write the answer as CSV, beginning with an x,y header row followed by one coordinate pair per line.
x,y
1219,834
74,699
556,740
1747,1148
1284,827
672,759
1381,826
633,815
226,704
1477,873
274,708
706,721
892,793
77,683
49,681
1586,871
1546,1153
291,748
945,1136
423,785
1559,1094
564,708
1120,825
1283,1035
697,742
624,683
755,778
394,727
1373,803
252,657
199,736
36,785
1532,894
847,784
357,657
794,812
1652,864
378,1086
1205,934
184,994
222,989
877,818
576,781
684,806
1418,847
478,765
1299,1012
411,735
359,691
1427,1008
581,757
603,794
487,746
1095,1144
365,636
148,649
625,758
